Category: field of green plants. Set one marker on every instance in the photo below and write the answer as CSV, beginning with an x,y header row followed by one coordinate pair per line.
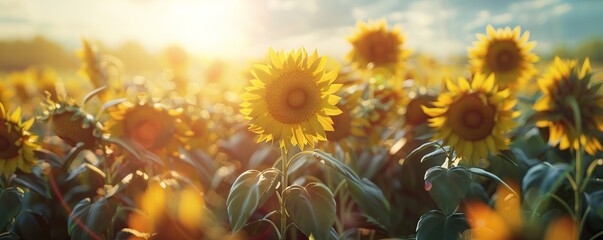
x,y
387,144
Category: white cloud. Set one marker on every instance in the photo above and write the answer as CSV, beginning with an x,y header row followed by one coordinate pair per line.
x,y
483,18
531,5
562,9
502,18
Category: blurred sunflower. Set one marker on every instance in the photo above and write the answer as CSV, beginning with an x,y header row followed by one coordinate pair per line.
x,y
16,143
563,84
153,126
374,46
91,65
473,117
345,127
70,123
380,106
292,98
506,53
414,114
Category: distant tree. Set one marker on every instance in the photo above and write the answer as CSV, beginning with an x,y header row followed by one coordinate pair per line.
x,y
20,54
592,48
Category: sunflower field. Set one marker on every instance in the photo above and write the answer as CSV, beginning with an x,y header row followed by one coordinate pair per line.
x,y
384,143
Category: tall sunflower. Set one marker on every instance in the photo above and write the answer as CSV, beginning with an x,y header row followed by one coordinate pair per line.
x,y
153,126
16,143
377,47
292,99
71,123
506,53
473,117
563,84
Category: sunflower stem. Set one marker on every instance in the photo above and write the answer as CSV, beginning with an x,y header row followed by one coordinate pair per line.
x,y
577,189
284,178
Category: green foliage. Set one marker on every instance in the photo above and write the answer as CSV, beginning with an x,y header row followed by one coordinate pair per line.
x,y
10,205
248,192
448,186
90,218
369,197
311,208
437,225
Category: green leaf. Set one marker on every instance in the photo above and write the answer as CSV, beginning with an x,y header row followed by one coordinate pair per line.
x,y
248,192
447,187
31,225
487,174
10,205
369,197
90,218
93,93
49,157
422,150
83,168
436,225
9,236
373,203
541,180
33,183
311,208
338,166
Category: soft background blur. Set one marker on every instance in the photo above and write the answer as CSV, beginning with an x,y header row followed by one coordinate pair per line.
x,y
139,31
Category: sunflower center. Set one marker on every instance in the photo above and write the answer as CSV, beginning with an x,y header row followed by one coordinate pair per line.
x,y
297,98
4,144
147,133
473,119
293,98
8,149
503,56
470,118
149,127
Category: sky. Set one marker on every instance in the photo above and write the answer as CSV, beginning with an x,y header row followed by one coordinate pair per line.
x,y
247,28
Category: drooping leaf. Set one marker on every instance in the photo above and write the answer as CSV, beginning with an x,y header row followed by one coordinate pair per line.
x,y
435,225
90,220
542,179
311,208
32,225
422,150
447,187
369,197
10,205
9,236
249,192
487,174
372,202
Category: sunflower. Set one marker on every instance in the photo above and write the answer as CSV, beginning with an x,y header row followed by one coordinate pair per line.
x,y
347,126
414,115
292,98
562,84
473,117
91,65
506,53
374,46
379,107
152,126
70,123
16,143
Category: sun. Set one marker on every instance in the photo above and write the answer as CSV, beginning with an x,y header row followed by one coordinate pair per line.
x,y
473,117
506,53
292,99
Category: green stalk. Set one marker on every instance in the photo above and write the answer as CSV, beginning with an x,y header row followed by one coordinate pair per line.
x,y
577,190
284,185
